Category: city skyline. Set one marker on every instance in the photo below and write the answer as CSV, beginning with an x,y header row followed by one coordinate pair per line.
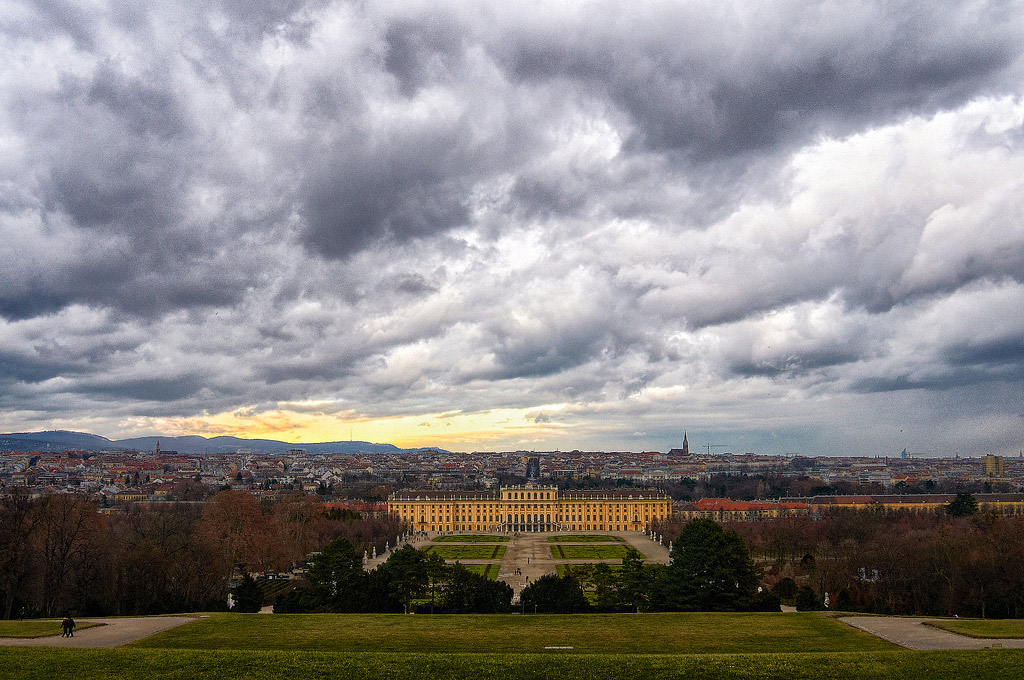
x,y
786,227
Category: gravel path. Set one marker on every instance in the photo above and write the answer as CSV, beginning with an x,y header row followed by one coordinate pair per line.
x,y
911,633
114,632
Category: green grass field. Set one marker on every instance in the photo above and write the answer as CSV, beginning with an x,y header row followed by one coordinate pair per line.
x,y
488,571
589,552
471,538
983,628
37,628
689,633
186,664
467,552
587,538
744,646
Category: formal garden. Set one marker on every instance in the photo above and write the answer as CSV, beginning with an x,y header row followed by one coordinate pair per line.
x,y
586,538
590,552
466,552
471,538
488,571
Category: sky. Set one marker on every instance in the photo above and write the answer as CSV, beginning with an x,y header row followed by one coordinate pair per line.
x,y
781,227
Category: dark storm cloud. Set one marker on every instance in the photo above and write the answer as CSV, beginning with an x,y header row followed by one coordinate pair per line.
x,y
711,84
415,49
394,209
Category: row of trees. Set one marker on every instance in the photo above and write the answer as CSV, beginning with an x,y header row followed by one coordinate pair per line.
x,y
410,580
901,563
58,554
710,570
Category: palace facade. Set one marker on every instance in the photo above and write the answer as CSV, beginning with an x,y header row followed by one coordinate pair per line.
x,y
530,508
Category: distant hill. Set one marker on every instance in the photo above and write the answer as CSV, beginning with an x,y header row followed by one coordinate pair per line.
x,y
62,440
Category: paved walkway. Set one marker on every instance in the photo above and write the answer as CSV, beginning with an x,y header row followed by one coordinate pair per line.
x,y
114,632
911,633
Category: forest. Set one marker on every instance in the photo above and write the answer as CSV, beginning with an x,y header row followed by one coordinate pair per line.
x,y
59,554
965,563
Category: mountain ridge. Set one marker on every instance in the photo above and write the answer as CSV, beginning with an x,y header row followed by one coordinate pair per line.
x,y
68,440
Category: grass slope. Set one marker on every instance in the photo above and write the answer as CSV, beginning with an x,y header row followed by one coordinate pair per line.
x,y
37,629
178,664
683,633
983,628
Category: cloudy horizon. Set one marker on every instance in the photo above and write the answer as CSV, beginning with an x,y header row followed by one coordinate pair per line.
x,y
782,227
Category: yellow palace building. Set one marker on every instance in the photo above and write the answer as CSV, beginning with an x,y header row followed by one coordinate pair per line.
x,y
530,508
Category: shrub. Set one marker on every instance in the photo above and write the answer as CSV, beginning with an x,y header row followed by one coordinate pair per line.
x,y
806,600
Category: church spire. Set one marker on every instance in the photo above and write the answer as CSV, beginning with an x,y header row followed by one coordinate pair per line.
x,y
686,445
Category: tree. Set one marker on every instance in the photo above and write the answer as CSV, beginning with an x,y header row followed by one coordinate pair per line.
x,y
766,601
336,577
248,596
710,570
469,593
406,570
553,594
635,581
19,515
806,600
606,588
963,505
437,569
786,588
233,525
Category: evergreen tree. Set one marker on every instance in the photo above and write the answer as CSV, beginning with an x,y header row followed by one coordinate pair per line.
x,y
710,570
963,505
248,596
337,578
806,600
553,594
469,593
406,570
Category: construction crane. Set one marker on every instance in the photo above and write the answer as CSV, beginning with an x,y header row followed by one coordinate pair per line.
x,y
713,446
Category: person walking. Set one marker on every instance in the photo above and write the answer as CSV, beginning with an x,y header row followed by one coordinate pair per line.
x,y
65,626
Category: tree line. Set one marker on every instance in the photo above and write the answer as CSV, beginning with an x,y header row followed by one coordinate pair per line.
x,y
409,580
710,570
59,554
960,563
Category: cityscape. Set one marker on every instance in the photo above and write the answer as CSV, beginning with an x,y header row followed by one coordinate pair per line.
x,y
121,476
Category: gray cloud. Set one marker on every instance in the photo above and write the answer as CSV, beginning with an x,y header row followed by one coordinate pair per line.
x,y
616,220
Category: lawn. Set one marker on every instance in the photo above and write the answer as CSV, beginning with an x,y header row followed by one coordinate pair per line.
x,y
669,633
589,552
488,571
117,664
983,628
801,646
581,572
588,538
471,538
37,628
467,552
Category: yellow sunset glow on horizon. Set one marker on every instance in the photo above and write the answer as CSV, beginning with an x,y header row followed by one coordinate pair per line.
x,y
305,423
